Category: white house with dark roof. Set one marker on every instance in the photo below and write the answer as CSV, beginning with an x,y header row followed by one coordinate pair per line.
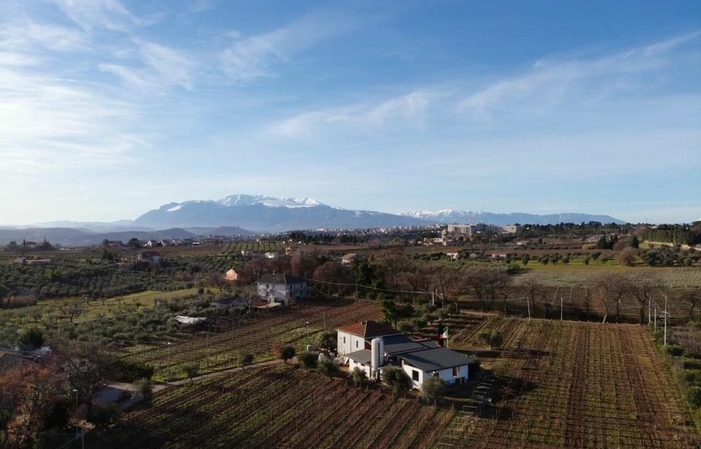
x,y
281,288
449,365
370,345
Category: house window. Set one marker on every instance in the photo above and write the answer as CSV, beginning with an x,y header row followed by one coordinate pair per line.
x,y
344,340
356,343
415,375
456,371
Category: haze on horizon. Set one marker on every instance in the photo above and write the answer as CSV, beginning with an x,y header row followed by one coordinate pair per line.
x,y
110,108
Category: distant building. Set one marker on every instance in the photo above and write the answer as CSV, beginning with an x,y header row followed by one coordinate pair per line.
x,y
231,275
348,258
469,230
149,256
281,288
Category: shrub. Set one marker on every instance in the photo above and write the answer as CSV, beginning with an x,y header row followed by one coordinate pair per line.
x,y
405,326
245,358
693,395
103,416
144,389
327,368
287,353
31,339
121,370
691,364
675,350
359,377
433,388
308,360
396,378
191,370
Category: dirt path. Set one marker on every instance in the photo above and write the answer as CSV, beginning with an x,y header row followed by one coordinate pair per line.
x,y
226,371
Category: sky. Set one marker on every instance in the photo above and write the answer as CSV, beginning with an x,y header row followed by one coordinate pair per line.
x,y
111,108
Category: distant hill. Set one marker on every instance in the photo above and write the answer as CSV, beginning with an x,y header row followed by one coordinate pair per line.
x,y
242,215
466,216
78,237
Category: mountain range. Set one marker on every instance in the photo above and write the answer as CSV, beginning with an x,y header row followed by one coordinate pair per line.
x,y
249,214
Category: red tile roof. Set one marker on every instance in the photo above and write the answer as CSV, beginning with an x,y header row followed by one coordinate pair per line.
x,y
369,329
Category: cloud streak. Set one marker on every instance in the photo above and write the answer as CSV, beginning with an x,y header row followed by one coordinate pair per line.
x,y
550,84
258,56
93,14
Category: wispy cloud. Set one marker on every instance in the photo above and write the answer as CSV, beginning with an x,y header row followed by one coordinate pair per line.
x,y
161,67
52,37
201,6
258,56
51,124
410,108
551,83
91,14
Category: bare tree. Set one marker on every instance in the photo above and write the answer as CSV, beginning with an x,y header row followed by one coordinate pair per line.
x,y
692,296
86,366
610,288
488,284
641,286
533,288
627,256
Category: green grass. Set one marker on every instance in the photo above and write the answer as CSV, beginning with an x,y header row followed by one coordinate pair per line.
x,y
98,307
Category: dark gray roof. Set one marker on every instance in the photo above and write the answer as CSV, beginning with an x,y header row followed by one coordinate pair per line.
x,y
362,356
398,344
434,359
286,279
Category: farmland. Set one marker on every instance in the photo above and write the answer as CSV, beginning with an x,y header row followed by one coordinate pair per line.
x,y
280,406
557,385
570,385
215,348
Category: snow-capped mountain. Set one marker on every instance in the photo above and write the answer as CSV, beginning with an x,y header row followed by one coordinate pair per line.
x,y
251,200
267,214
467,216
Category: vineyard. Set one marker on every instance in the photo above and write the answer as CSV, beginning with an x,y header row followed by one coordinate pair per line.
x,y
276,407
578,302
572,385
216,347
255,247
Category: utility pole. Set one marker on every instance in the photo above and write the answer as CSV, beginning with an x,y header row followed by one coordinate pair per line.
x,y
560,308
665,321
528,304
649,309
169,360
207,347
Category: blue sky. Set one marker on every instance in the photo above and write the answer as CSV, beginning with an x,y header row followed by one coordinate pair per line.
x,y
109,108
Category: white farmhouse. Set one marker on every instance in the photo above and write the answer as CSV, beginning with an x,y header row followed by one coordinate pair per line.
x,y
281,288
370,346
358,336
